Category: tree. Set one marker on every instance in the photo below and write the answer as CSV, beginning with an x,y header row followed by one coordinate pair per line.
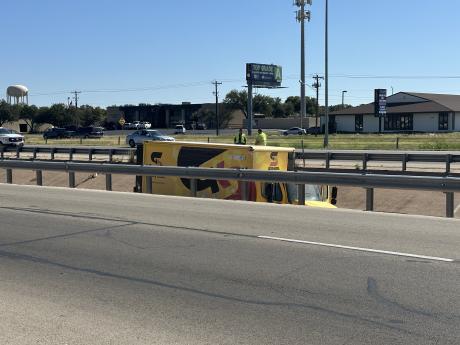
x,y
88,116
31,116
279,109
57,115
310,104
7,113
237,100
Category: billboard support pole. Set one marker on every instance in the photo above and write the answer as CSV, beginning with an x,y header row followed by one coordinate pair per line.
x,y
250,114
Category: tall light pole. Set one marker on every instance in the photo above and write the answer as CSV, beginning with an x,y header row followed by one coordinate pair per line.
x,y
301,16
343,98
326,79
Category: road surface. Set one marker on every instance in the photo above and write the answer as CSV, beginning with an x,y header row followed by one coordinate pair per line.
x,y
89,267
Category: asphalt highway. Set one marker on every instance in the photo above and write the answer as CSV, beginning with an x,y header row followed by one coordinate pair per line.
x,y
90,267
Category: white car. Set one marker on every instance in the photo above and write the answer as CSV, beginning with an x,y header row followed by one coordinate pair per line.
x,y
139,136
10,137
180,129
295,131
145,125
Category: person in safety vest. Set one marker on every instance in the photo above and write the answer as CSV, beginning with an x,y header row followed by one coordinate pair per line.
x,y
261,138
240,138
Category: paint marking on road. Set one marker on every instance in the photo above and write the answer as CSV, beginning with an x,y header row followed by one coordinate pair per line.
x,y
368,250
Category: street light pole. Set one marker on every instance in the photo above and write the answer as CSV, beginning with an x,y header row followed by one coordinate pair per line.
x,y
343,98
301,16
326,79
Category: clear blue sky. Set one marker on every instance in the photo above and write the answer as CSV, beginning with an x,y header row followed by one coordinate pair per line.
x,y
174,49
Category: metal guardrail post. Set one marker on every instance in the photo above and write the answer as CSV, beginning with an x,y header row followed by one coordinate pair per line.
x,y
448,162
369,199
111,156
71,179
405,157
328,160
450,198
244,190
9,176
35,153
149,184
365,159
2,152
39,176
108,182
71,154
301,194
193,186
18,152
53,151
90,154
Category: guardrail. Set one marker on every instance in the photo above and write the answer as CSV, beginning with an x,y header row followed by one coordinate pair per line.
x,y
326,156
447,185
366,157
71,151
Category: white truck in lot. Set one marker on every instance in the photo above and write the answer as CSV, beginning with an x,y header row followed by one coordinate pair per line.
x,y
9,137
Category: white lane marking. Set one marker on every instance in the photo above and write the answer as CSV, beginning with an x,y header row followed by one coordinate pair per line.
x,y
433,258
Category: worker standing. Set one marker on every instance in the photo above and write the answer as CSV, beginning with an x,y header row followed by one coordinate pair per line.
x,y
261,138
240,138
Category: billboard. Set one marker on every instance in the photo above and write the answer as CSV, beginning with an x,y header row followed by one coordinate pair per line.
x,y
380,102
264,75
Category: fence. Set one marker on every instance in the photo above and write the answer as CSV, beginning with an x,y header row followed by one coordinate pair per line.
x,y
447,185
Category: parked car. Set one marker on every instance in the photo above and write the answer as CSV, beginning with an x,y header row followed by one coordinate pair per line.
x,y
145,125
10,137
57,133
90,132
314,130
180,129
139,136
295,131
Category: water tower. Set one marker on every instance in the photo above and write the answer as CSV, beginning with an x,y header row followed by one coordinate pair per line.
x,y
18,93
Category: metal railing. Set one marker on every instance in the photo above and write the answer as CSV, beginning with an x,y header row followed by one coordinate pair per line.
x,y
327,156
447,185
366,157
70,151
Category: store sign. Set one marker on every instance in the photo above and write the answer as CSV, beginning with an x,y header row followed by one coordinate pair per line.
x,y
380,102
264,75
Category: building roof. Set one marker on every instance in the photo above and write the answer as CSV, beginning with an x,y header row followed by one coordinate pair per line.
x,y
421,103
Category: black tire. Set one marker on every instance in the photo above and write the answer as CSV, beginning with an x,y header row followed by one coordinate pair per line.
x,y
285,134
300,133
132,143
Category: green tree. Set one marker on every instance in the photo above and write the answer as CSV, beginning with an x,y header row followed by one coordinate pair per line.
x,y
59,115
279,109
30,114
310,104
208,116
89,116
237,100
7,113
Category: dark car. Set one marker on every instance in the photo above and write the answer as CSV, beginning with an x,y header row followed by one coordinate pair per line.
x,y
200,126
90,132
314,130
57,133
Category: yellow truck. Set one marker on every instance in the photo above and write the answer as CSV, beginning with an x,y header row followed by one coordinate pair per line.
x,y
191,154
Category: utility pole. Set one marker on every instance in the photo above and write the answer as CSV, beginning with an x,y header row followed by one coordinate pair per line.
x,y
301,15
343,98
75,97
326,76
216,93
317,85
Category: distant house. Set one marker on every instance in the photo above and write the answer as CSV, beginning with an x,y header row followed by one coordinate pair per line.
x,y
406,112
